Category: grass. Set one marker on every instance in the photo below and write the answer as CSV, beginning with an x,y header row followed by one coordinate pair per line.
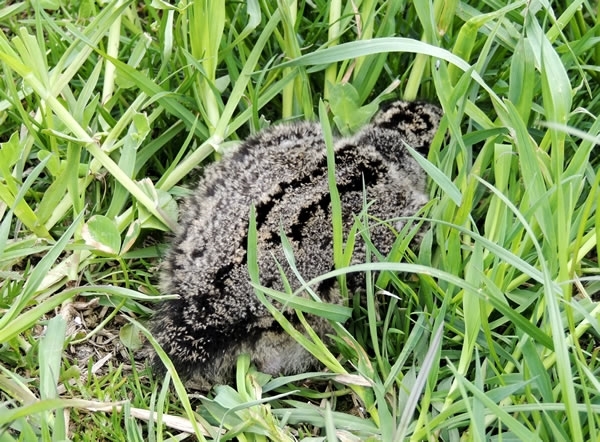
x,y
488,332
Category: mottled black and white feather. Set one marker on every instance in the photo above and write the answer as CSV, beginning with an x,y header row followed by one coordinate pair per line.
x,y
282,171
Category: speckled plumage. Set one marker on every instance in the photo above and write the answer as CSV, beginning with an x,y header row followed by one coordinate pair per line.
x,y
283,172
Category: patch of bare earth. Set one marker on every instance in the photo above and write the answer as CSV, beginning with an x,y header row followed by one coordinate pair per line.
x,y
93,338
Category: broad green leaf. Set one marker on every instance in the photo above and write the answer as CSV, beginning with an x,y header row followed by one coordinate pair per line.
x,y
101,234
131,337
348,114
131,236
164,204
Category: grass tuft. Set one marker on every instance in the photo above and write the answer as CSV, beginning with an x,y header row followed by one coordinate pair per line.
x,y
488,332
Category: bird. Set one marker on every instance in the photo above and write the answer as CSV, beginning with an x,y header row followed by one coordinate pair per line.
x,y
282,172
